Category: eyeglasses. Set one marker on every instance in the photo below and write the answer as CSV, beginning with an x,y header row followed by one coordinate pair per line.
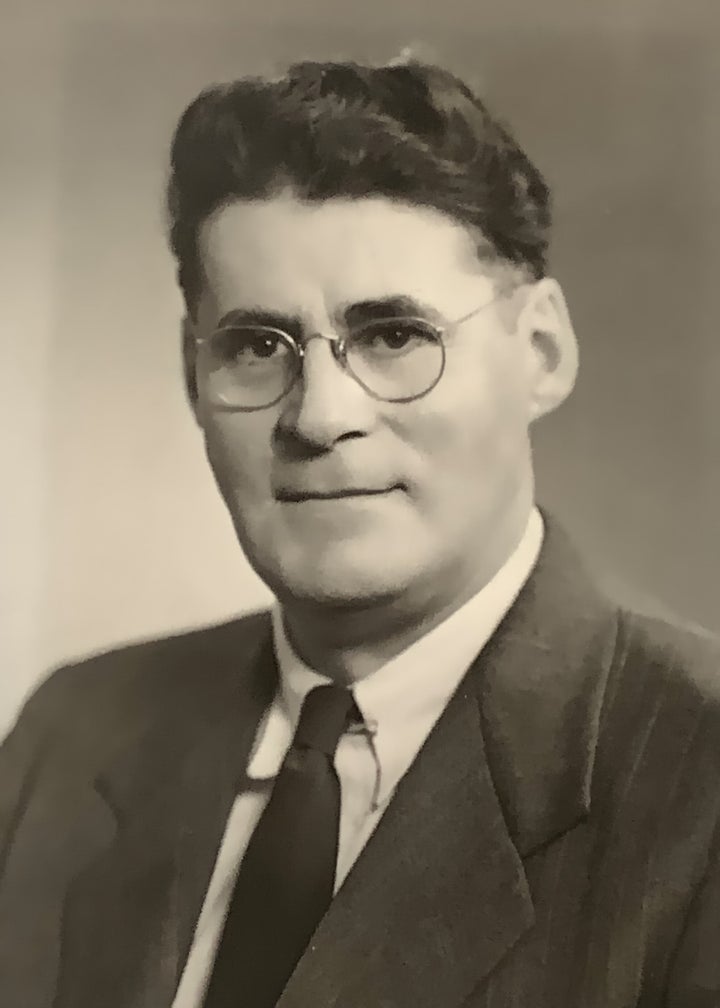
x,y
252,367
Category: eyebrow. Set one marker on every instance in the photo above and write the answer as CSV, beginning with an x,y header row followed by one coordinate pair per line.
x,y
393,306
291,324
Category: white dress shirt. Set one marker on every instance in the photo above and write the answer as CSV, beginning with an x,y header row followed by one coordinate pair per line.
x,y
400,704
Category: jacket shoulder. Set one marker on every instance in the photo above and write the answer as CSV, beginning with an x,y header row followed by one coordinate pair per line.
x,y
86,714
111,687
660,720
671,656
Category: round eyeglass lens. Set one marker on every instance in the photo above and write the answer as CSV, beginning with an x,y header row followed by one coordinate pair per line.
x,y
396,359
248,367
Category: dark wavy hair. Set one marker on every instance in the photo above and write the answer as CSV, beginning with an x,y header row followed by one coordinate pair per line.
x,y
411,132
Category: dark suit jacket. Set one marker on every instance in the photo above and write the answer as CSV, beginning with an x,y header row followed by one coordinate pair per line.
x,y
555,844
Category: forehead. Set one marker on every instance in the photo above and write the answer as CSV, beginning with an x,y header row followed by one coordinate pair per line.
x,y
281,251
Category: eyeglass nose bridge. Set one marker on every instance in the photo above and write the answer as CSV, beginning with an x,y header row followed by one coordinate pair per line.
x,y
337,344
330,337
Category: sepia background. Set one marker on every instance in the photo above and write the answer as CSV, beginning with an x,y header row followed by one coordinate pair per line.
x,y
110,526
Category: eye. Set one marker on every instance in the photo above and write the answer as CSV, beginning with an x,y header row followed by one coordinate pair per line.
x,y
394,337
248,346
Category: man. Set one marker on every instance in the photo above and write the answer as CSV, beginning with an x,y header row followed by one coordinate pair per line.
x,y
445,771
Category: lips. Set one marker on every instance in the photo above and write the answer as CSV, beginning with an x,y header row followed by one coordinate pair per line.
x,y
294,495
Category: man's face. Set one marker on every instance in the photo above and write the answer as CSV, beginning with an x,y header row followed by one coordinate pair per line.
x,y
436,485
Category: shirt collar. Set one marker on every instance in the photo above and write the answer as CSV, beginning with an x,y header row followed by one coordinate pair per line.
x,y
403,699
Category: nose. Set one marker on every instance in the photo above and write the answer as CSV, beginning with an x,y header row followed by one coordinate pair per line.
x,y
327,404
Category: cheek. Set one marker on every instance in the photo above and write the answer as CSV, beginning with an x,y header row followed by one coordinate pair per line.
x,y
477,419
239,451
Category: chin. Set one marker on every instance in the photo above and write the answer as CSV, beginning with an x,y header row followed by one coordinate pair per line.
x,y
341,577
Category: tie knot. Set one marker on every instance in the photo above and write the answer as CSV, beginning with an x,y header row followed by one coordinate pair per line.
x,y
326,713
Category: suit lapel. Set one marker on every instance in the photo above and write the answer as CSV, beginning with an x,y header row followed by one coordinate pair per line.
x,y
541,691
129,916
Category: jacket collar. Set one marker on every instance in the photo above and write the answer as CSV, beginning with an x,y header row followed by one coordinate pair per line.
x,y
541,683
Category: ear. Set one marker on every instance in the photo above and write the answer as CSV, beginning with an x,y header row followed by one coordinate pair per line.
x,y
544,321
189,355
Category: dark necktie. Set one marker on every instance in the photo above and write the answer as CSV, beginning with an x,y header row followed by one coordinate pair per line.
x,y
287,876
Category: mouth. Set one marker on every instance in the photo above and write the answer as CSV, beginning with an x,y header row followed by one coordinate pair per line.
x,y
292,496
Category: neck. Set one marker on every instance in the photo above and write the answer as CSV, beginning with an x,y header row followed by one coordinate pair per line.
x,y
349,641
